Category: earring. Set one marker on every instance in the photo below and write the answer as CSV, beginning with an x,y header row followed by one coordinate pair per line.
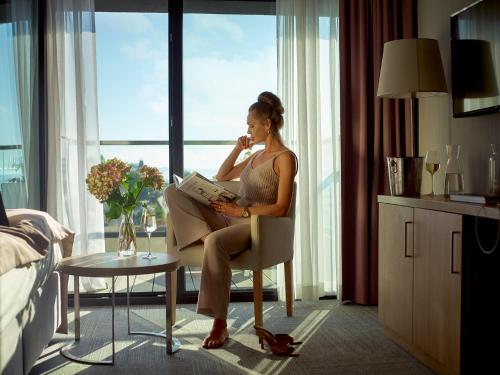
x,y
268,131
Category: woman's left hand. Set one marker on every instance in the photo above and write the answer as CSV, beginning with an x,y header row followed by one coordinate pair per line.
x,y
228,209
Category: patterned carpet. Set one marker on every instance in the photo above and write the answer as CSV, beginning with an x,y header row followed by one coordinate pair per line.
x,y
337,339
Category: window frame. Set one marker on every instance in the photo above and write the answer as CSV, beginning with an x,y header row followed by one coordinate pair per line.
x,y
176,10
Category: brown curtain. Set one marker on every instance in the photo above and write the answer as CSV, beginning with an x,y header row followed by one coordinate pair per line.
x,y
371,129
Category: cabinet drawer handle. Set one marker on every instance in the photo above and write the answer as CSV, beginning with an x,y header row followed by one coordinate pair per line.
x,y
406,235
453,251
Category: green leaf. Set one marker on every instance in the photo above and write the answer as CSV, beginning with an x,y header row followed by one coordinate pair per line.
x,y
114,212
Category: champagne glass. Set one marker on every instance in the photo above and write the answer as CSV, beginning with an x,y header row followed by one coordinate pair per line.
x,y
432,166
148,224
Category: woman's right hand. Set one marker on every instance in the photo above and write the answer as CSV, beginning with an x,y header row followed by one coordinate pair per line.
x,y
244,143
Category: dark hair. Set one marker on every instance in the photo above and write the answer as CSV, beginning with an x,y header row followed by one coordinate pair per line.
x,y
268,106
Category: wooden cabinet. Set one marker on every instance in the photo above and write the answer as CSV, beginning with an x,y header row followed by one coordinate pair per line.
x,y
419,282
395,276
436,289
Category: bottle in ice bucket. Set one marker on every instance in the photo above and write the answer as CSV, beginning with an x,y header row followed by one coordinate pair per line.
x,y
453,178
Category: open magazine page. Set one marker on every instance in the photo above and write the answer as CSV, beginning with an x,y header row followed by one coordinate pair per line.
x,y
203,190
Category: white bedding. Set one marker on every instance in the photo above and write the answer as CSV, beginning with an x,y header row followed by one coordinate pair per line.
x,y
18,284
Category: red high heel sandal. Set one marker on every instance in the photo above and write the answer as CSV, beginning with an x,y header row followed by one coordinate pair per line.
x,y
280,346
283,337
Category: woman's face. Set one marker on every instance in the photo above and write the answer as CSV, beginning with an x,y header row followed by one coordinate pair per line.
x,y
257,128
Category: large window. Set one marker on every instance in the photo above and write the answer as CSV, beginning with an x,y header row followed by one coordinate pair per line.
x,y
132,85
227,55
228,59
11,156
19,136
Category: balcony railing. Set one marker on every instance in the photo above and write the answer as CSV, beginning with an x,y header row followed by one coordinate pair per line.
x,y
11,163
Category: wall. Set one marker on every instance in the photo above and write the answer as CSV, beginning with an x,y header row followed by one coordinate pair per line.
x,y
437,127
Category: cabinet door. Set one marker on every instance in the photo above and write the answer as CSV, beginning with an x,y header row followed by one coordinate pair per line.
x,y
395,276
437,279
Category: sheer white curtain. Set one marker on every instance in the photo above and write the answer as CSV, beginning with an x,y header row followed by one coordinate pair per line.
x,y
308,84
24,18
73,128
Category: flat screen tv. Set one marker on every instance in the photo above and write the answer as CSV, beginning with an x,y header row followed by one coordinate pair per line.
x,y
475,59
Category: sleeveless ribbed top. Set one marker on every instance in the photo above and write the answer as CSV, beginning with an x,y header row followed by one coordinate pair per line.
x,y
259,185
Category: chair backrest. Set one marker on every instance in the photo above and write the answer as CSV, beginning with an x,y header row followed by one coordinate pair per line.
x,y
291,209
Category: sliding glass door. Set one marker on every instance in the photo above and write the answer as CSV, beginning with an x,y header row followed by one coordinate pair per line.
x,y
19,122
229,57
174,84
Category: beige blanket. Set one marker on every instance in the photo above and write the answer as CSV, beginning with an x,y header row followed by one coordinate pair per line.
x,y
27,232
46,224
16,250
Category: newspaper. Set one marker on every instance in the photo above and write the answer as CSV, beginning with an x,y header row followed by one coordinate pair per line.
x,y
202,189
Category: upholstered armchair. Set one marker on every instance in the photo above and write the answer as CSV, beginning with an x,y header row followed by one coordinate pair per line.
x,y
271,244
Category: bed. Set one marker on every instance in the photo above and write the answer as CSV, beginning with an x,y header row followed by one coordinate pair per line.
x,y
33,297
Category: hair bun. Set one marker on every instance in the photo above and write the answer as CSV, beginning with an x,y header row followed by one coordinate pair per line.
x,y
271,99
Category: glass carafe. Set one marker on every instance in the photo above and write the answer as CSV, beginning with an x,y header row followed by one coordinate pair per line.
x,y
494,170
453,178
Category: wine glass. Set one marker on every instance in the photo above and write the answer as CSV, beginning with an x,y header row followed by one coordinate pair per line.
x,y
148,224
432,166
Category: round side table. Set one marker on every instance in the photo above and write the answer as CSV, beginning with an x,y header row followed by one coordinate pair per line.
x,y
111,265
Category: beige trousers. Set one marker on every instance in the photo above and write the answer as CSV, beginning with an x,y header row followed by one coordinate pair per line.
x,y
227,236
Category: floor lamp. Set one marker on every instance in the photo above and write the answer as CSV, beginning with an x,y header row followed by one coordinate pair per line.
x,y
411,69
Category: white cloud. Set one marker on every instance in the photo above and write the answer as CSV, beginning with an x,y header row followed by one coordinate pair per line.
x,y
155,90
140,50
217,23
219,91
217,95
125,22
159,105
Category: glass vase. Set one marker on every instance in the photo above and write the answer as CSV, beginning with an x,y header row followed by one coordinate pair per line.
x,y
127,244
453,179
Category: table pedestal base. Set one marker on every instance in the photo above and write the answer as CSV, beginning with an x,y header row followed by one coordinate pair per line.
x,y
172,343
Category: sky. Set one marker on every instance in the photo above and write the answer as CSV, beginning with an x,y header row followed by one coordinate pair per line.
x,y
8,104
10,160
228,61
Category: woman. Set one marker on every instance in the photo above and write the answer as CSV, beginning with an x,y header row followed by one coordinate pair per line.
x,y
265,189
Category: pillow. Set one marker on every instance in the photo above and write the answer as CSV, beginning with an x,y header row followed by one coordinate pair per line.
x,y
27,232
42,221
15,252
3,216
46,224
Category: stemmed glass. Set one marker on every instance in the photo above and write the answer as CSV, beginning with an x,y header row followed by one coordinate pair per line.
x,y
432,166
148,224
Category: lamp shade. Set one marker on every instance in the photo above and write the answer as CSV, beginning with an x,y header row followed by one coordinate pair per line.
x,y
411,68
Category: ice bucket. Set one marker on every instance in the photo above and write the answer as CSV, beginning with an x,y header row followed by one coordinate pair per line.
x,y
405,175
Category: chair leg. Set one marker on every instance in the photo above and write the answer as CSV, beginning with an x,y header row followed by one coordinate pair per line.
x,y
257,297
174,296
288,288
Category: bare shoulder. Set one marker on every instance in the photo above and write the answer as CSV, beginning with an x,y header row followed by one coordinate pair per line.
x,y
287,156
287,159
